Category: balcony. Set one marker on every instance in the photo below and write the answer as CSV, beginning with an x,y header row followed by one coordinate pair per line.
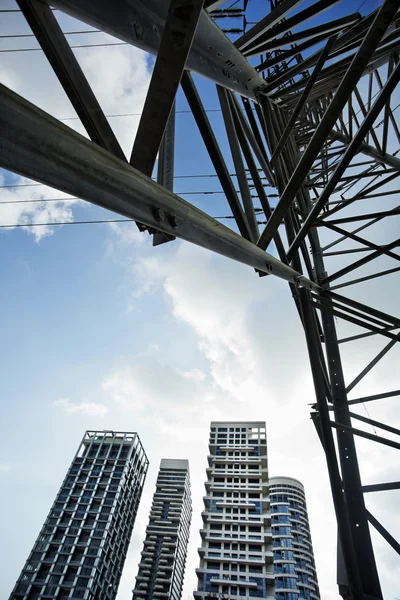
x,y
233,580
245,558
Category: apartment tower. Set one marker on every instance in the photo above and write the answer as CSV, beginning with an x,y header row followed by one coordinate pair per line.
x,y
82,546
295,574
236,558
162,566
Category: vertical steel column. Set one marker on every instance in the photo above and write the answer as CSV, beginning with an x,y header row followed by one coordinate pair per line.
x,y
165,169
352,488
321,421
166,157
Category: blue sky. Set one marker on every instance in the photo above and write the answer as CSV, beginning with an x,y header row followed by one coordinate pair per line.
x,y
100,330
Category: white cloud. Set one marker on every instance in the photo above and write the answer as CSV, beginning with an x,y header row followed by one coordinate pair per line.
x,y
17,208
93,409
118,75
4,468
254,365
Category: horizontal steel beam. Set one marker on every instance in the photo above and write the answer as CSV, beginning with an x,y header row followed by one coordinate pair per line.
x,y
381,487
374,423
366,435
374,397
141,23
37,146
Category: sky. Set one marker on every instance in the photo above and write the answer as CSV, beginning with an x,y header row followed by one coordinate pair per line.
x,y
102,331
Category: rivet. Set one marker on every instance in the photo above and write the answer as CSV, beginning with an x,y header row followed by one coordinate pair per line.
x,y
159,215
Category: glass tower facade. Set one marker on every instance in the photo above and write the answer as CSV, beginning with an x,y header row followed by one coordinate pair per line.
x,y
294,565
81,549
236,559
162,566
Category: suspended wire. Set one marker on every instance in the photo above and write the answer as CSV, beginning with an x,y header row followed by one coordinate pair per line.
x,y
209,110
361,5
91,222
30,35
74,198
211,175
58,223
369,417
78,46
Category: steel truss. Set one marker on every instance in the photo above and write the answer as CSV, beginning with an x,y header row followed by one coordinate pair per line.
x,y
301,123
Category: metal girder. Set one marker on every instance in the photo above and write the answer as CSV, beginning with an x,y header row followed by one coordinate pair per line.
x,y
362,261
382,487
165,169
59,54
369,436
321,31
274,17
166,159
374,397
384,533
375,423
176,41
349,463
238,163
141,23
36,145
303,98
322,422
359,63
287,24
368,150
347,157
215,154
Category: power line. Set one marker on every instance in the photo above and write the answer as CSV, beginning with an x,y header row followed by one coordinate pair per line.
x,y
78,46
67,199
74,198
30,35
209,110
18,185
58,223
93,222
202,176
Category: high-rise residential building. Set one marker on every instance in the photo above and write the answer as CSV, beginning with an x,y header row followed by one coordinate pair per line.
x,y
81,549
162,566
295,574
236,558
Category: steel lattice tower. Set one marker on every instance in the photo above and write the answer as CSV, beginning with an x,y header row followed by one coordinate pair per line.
x,y
308,106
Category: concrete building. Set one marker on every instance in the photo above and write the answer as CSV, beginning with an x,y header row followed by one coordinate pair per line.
x,y
295,574
236,558
162,566
81,549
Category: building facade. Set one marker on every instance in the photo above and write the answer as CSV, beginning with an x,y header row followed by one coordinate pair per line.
x,y
236,558
81,549
163,559
295,574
